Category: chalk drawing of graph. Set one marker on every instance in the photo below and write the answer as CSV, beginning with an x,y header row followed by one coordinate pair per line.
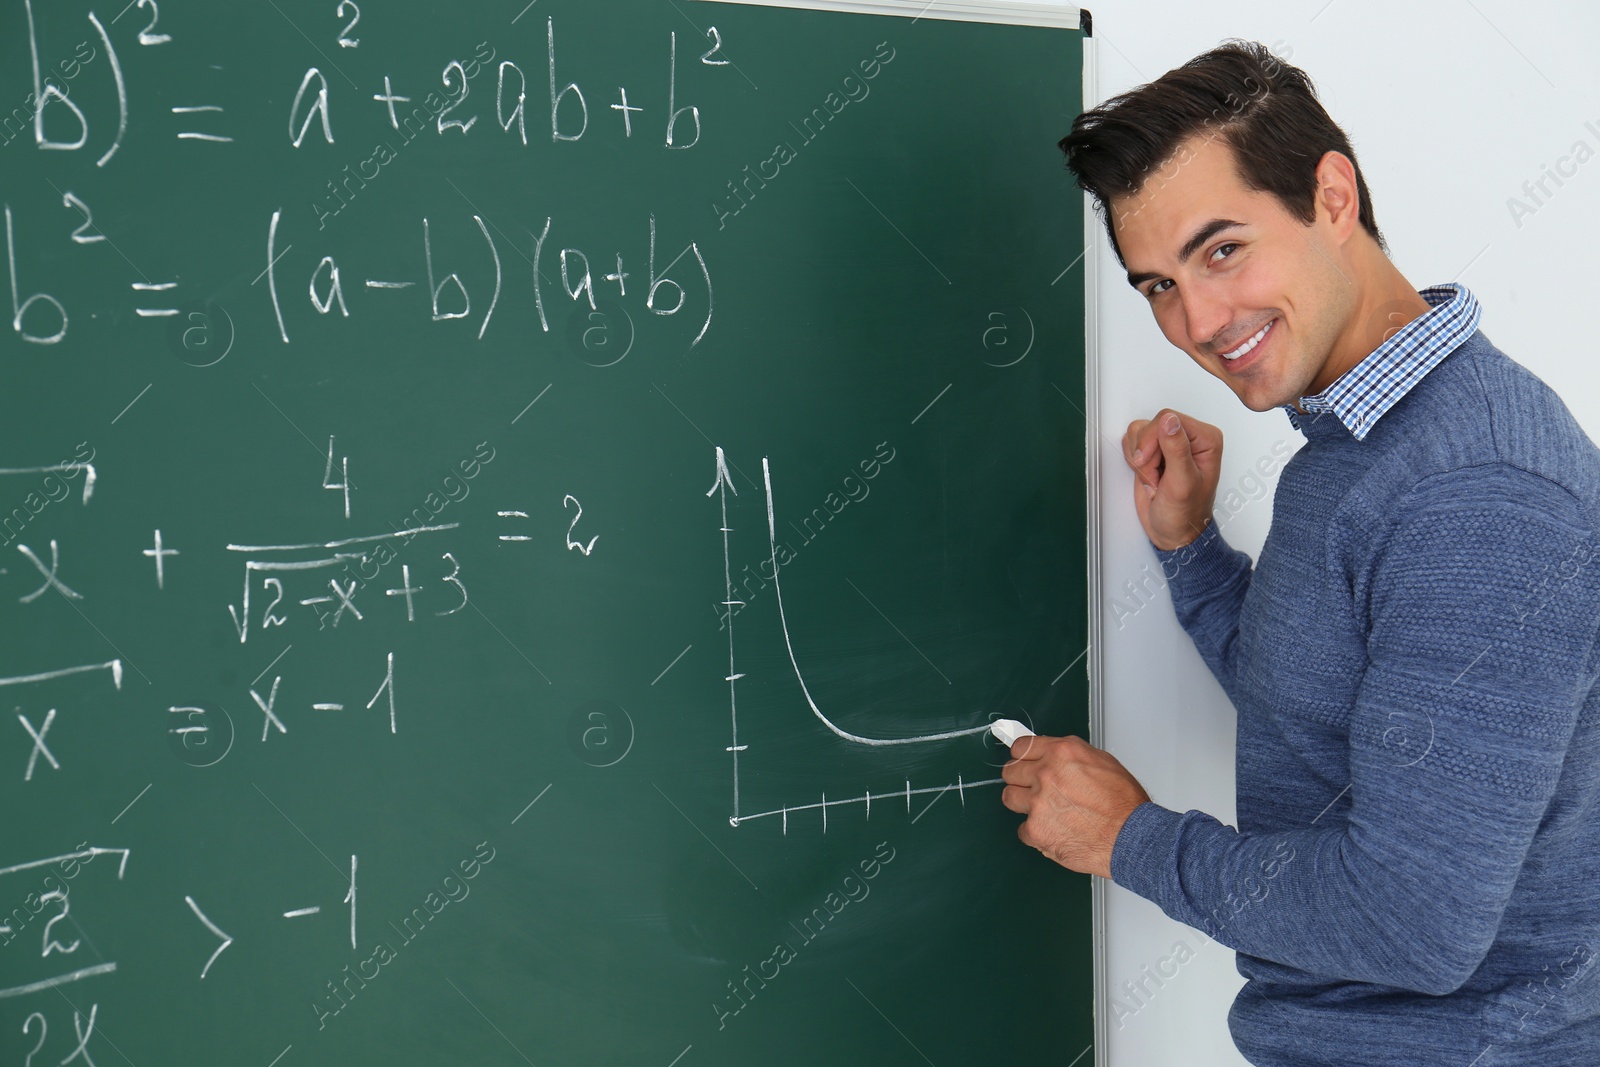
x,y
724,485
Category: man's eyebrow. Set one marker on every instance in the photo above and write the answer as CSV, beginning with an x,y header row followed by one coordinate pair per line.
x,y
1200,237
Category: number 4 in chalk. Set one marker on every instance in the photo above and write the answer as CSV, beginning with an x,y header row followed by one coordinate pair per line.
x,y
344,471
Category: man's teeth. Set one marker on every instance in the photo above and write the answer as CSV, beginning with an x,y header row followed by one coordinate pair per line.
x,y
1244,349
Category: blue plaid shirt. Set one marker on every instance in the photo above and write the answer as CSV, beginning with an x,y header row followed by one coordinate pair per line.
x,y
1362,394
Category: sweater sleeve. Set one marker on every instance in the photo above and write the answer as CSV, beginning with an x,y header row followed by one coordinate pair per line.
x,y
1484,605
1207,580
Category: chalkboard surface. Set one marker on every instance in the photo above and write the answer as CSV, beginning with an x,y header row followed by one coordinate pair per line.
x,y
515,522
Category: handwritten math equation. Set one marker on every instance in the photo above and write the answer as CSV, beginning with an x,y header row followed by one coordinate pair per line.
x,y
512,89
288,588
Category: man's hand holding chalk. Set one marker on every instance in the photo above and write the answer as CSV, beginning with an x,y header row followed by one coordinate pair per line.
x,y
1075,796
1008,730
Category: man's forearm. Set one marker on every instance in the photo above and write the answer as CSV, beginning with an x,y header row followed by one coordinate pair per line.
x,y
1207,580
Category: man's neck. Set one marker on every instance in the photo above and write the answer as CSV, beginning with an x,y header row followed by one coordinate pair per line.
x,y
1386,308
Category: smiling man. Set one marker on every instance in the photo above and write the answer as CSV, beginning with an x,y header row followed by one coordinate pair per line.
x,y
1415,877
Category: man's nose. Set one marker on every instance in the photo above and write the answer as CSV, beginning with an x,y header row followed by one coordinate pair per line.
x,y
1206,316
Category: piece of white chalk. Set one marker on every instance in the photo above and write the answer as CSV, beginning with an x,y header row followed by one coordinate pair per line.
x,y
1008,730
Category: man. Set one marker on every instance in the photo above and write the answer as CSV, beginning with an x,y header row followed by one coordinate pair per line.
x,y
1415,878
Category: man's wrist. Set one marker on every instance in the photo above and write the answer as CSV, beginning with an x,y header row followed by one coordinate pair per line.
x,y
1198,531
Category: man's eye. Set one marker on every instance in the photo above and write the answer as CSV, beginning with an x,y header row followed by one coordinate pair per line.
x,y
1220,247
1156,288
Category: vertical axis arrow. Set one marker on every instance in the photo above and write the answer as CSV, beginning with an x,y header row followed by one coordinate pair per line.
x,y
721,486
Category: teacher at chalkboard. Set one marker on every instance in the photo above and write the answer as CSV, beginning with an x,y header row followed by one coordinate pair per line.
x,y
1415,877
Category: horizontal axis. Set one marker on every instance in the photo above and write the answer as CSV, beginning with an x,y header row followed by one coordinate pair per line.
x,y
868,798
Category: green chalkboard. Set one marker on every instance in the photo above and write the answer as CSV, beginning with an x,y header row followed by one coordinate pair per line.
x,y
499,580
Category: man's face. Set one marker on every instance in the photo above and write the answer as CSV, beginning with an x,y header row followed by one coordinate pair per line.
x,y
1266,271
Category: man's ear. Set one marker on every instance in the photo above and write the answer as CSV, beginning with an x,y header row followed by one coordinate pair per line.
x,y
1337,199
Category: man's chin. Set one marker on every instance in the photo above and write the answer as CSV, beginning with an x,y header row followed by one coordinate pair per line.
x,y
1256,400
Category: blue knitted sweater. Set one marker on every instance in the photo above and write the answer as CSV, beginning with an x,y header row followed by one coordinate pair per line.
x,y
1415,877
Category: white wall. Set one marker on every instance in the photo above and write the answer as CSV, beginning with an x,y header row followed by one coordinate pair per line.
x,y
1450,108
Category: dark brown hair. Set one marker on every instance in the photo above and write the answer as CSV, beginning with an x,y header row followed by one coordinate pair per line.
x,y
1265,110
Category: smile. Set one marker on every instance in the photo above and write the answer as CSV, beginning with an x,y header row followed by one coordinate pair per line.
x,y
1249,346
